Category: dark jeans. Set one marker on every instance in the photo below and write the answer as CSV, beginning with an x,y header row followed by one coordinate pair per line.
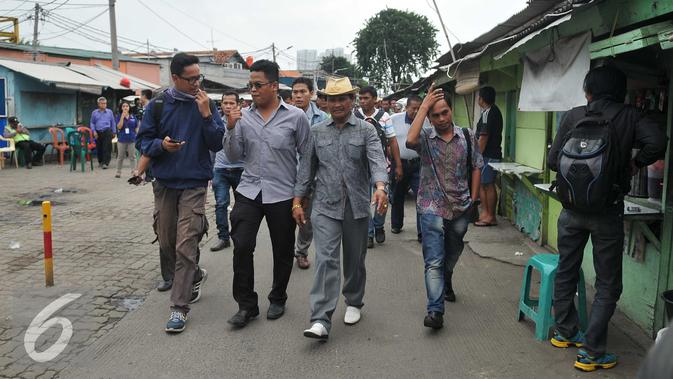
x,y
104,146
223,180
246,217
30,147
411,175
606,230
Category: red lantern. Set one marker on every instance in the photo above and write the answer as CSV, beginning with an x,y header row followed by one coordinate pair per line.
x,y
125,82
249,60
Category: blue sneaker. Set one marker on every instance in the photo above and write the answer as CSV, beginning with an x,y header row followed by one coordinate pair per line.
x,y
586,362
559,341
176,322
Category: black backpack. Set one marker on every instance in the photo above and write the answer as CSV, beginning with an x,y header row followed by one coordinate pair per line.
x,y
590,164
374,120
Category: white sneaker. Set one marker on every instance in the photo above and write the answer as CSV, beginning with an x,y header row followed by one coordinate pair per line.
x,y
317,330
352,315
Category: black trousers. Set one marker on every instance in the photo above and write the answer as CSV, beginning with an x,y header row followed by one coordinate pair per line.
x,y
246,218
606,230
32,151
104,146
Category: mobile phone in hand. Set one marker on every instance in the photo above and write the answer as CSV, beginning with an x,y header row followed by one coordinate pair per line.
x,y
173,140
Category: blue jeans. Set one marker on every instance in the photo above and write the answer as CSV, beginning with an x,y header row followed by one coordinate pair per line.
x,y
378,220
442,246
223,180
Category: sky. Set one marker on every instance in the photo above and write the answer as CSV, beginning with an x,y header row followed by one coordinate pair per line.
x,y
249,26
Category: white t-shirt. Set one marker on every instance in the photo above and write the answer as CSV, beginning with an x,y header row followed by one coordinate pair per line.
x,y
384,121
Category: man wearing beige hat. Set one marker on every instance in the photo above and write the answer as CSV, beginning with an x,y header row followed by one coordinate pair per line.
x,y
343,157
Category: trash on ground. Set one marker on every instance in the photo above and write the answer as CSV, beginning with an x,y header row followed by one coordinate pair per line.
x,y
14,245
518,254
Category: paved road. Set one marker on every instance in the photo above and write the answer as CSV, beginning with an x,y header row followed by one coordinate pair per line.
x,y
103,253
481,338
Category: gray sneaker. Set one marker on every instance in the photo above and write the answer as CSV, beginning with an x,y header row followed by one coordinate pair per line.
x,y
220,244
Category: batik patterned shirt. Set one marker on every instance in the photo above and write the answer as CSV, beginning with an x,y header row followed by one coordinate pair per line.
x,y
450,159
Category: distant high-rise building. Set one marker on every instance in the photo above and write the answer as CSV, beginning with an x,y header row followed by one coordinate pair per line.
x,y
337,52
307,59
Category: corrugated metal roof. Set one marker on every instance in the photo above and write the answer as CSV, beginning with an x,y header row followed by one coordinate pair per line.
x,y
111,77
533,14
70,52
58,75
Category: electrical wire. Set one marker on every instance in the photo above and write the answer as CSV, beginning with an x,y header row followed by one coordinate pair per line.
x,y
171,25
76,26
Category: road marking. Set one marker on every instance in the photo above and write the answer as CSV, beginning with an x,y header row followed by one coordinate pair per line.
x,y
42,322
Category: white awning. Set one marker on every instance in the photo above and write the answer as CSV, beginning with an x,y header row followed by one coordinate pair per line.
x,y
532,35
112,78
57,75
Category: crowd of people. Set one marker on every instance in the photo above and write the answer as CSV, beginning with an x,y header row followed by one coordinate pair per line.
x,y
331,168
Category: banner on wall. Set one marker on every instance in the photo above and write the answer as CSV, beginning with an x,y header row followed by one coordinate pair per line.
x,y
553,75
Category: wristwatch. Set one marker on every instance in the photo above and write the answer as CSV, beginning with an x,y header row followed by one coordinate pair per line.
x,y
382,189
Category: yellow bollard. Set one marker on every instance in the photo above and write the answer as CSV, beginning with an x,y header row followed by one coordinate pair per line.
x,y
46,229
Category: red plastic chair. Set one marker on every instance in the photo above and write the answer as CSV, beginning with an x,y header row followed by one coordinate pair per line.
x,y
92,143
59,143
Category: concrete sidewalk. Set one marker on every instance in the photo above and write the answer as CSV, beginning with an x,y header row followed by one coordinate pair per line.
x,y
481,337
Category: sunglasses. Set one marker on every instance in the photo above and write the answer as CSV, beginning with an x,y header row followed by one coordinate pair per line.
x,y
193,79
257,85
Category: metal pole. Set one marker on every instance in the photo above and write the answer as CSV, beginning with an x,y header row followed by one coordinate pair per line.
x,y
453,56
113,35
273,49
36,20
46,229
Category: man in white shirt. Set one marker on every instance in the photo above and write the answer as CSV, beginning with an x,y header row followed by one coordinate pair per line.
x,y
381,120
401,122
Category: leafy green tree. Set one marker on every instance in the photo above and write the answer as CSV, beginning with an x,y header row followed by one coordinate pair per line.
x,y
337,65
395,45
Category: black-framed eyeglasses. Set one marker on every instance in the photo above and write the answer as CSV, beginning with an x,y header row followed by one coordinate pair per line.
x,y
193,79
257,85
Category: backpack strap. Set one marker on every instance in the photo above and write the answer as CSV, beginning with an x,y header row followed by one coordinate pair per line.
x,y
468,139
379,114
158,108
359,114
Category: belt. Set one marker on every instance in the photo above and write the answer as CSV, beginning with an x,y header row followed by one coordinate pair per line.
x,y
230,169
413,160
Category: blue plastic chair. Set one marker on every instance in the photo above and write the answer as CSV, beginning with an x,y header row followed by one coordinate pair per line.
x,y
540,310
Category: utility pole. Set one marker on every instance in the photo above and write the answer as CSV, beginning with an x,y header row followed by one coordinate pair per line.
x,y
148,48
273,50
36,20
113,35
453,55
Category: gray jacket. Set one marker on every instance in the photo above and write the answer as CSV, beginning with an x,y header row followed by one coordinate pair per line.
x,y
342,163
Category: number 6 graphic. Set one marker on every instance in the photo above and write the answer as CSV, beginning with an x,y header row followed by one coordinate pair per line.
x,y
42,322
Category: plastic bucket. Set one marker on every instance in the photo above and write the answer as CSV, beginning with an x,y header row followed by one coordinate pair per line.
x,y
668,302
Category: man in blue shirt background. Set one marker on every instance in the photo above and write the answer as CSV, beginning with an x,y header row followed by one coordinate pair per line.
x,y
226,175
102,125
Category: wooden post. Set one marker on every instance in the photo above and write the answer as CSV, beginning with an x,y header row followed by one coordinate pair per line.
x,y
46,229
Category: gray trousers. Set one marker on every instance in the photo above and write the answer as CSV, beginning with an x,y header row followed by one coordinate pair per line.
x,y
180,223
122,149
329,234
305,232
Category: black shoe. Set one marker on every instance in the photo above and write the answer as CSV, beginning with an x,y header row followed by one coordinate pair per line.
x,y
396,230
165,285
220,244
197,287
275,311
380,235
370,242
434,320
420,238
38,163
449,296
242,317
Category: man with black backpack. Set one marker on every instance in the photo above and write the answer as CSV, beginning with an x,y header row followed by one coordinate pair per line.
x,y
386,132
592,154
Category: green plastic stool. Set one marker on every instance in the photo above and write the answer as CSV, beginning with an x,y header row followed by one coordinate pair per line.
x,y
540,310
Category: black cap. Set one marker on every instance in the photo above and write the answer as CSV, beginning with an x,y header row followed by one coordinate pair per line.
x,y
13,120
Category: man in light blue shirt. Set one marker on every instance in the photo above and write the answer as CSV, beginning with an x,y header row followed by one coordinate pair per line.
x,y
226,175
302,92
103,125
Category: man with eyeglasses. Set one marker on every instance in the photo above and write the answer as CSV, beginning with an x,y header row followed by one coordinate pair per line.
x,y
302,92
178,139
270,135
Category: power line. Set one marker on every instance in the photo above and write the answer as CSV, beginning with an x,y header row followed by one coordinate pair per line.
x,y
171,25
76,26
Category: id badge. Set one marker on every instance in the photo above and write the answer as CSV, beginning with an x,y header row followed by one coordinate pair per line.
x,y
126,130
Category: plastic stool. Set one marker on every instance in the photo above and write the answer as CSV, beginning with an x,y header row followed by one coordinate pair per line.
x,y
539,310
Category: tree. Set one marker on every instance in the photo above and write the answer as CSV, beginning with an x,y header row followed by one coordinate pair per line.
x,y
337,65
395,45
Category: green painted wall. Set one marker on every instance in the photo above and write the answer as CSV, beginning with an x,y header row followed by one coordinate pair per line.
x,y
530,138
553,211
640,285
460,112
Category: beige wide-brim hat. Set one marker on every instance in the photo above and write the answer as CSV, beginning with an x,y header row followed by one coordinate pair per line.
x,y
339,86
